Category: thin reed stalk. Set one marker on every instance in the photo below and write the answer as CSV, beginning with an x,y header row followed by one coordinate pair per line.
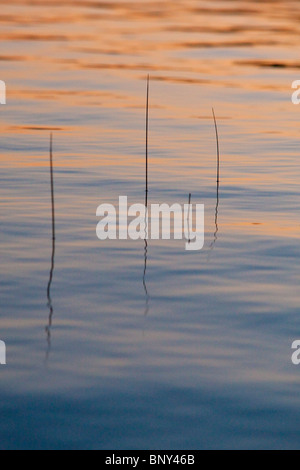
x,y
218,146
147,138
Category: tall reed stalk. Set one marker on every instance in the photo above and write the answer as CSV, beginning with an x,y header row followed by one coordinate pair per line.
x,y
218,147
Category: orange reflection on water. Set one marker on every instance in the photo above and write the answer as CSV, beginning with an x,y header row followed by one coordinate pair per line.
x,y
78,68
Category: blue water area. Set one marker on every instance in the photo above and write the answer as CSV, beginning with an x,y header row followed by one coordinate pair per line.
x,y
117,345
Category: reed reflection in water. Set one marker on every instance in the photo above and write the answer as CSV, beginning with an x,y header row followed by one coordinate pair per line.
x,y
218,185
146,201
50,304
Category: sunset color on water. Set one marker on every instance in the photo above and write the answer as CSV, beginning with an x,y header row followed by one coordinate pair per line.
x,y
134,344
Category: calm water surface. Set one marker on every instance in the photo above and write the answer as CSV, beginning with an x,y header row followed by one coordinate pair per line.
x,y
196,355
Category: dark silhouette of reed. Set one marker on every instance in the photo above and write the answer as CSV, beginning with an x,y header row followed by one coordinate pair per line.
x,y
146,200
144,278
218,146
218,184
49,304
147,138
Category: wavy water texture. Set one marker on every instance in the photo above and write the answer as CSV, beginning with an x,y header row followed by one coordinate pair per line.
x,y
151,346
